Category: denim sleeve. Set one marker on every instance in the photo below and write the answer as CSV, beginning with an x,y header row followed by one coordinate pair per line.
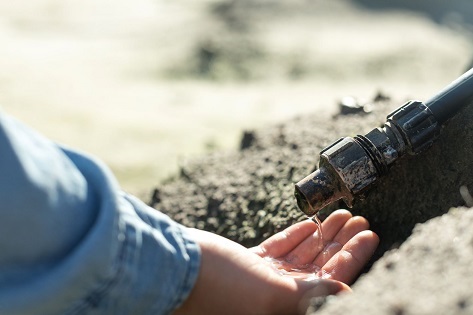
x,y
73,243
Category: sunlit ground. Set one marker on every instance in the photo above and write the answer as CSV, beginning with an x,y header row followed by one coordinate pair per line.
x,y
114,78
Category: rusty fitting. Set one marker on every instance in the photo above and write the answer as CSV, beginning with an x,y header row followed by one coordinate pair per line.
x,y
350,166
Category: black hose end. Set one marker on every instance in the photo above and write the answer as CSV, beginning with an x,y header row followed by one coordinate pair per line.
x,y
302,202
316,191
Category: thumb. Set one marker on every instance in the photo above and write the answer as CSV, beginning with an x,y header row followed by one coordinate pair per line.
x,y
320,288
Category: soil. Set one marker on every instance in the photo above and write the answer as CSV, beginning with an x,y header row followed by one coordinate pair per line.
x,y
247,196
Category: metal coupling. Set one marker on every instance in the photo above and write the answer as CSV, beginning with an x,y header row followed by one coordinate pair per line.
x,y
350,166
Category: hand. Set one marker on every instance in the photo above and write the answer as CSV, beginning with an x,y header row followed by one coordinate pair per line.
x,y
299,251
274,277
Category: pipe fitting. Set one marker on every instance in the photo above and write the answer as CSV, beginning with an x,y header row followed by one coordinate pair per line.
x,y
350,166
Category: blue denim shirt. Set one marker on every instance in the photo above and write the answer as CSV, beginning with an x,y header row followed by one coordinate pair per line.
x,y
73,243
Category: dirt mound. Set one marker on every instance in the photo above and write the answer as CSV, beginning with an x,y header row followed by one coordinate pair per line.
x,y
248,195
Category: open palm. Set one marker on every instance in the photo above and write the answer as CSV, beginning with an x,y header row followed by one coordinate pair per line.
x,y
301,253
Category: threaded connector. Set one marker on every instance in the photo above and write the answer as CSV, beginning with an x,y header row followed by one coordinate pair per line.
x,y
350,166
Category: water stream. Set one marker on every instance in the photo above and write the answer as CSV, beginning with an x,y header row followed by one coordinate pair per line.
x,y
305,272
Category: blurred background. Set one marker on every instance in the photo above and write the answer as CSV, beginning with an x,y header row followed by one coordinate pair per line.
x,y
147,84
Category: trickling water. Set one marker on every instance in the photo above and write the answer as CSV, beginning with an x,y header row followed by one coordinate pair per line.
x,y
317,221
306,272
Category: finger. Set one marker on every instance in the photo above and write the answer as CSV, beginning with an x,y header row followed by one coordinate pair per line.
x,y
321,288
345,265
329,250
352,227
335,221
308,249
296,294
283,242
